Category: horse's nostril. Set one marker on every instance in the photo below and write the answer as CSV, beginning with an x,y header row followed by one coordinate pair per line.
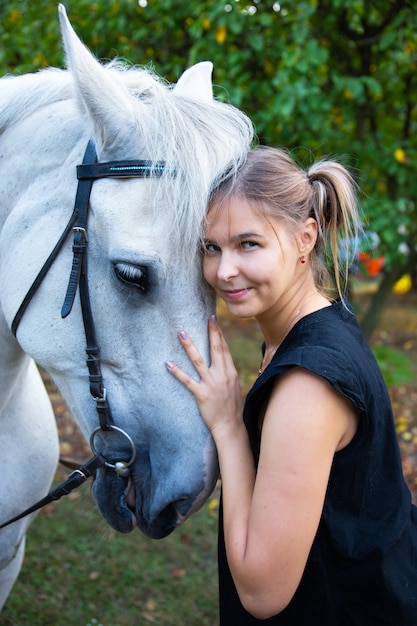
x,y
168,518
183,506
174,513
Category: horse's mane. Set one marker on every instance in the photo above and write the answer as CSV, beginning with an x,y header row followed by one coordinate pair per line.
x,y
21,96
201,141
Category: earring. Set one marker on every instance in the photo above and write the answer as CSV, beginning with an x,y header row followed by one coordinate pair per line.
x,y
302,260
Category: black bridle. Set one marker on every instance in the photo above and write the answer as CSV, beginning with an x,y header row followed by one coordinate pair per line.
x,y
89,171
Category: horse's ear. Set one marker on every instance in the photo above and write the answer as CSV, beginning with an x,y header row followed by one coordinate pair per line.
x,y
196,82
106,99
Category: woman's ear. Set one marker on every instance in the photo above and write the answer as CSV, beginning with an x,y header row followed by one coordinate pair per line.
x,y
308,236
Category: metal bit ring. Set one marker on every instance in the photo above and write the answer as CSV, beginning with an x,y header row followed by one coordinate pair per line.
x,y
122,468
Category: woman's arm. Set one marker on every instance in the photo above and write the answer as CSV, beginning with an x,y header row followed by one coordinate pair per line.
x,y
271,517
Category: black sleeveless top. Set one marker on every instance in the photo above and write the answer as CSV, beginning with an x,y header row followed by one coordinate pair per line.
x,y
362,568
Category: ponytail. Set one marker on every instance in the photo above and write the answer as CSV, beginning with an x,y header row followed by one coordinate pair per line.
x,y
334,207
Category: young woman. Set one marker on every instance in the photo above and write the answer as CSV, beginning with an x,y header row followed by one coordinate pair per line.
x,y
317,526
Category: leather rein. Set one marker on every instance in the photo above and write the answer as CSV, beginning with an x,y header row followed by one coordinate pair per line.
x,y
87,172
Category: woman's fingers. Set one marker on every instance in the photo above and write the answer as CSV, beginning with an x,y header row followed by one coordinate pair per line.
x,y
219,349
198,363
217,392
220,357
192,352
210,375
182,377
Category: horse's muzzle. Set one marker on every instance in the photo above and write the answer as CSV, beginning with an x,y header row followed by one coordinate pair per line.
x,y
128,502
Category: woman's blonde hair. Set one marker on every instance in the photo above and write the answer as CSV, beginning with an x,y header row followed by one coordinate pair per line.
x,y
326,191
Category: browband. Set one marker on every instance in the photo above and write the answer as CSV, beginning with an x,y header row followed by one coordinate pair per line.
x,y
122,169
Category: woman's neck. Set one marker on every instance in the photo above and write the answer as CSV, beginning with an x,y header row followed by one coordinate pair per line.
x,y
277,326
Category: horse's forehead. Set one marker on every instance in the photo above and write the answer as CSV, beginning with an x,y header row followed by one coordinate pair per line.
x,y
123,196
131,200
127,216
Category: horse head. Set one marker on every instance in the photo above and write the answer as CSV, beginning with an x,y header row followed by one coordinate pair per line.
x,y
144,269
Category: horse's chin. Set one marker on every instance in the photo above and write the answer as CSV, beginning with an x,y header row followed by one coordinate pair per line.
x,y
150,530
118,503
112,504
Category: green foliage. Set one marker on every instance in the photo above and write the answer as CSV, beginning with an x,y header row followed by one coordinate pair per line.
x,y
322,77
395,365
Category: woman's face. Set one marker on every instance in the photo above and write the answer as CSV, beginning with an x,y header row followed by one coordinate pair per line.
x,y
249,259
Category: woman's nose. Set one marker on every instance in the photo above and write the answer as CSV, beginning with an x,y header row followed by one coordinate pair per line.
x,y
227,268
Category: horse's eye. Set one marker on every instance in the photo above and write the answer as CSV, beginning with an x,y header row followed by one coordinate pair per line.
x,y
132,276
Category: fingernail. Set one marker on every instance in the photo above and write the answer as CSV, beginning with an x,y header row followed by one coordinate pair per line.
x,y
169,364
183,335
213,319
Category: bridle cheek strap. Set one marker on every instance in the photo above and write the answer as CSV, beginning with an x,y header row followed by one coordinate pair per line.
x,y
78,277
79,247
87,172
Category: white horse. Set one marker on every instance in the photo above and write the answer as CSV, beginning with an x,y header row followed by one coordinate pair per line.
x,y
144,283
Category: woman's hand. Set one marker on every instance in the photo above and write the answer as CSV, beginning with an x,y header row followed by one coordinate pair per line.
x,y
218,392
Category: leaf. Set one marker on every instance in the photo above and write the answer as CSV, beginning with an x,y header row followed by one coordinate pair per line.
x,y
395,366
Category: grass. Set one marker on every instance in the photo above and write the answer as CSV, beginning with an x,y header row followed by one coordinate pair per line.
x,y
79,572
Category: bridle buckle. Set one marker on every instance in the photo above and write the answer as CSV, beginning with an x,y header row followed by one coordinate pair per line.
x,y
82,231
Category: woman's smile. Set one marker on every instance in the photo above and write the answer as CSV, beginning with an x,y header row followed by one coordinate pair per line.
x,y
235,294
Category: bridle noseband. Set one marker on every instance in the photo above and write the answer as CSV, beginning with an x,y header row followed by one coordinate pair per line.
x,y
87,172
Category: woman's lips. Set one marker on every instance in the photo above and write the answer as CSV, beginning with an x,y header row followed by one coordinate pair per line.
x,y
235,294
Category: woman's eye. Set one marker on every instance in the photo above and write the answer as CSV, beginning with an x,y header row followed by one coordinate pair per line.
x,y
248,244
132,275
210,247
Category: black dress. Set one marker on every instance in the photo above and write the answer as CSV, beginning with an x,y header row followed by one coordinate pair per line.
x,y
362,568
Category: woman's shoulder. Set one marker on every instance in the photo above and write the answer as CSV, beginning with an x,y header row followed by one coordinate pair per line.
x,y
329,343
330,336
322,325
